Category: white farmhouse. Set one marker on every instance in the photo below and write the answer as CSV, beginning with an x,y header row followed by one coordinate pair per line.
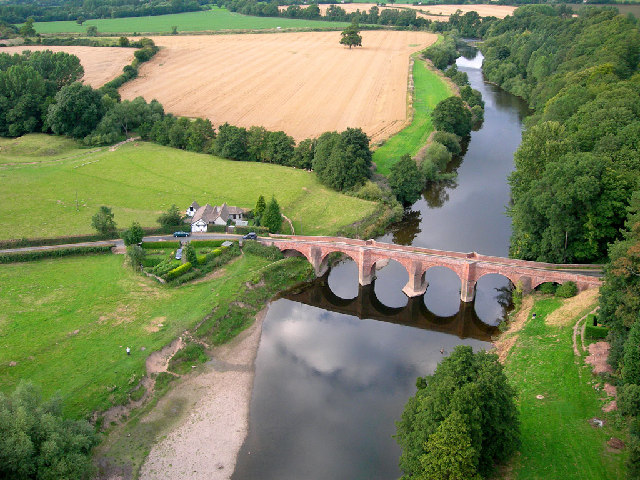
x,y
219,215
193,208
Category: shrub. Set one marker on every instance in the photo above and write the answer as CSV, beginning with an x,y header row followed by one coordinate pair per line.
x,y
62,252
176,272
595,332
183,359
254,228
449,140
133,235
629,399
256,248
190,254
160,245
151,261
207,243
165,266
201,259
548,288
567,290
216,228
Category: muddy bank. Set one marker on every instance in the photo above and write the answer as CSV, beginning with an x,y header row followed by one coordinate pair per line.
x,y
206,441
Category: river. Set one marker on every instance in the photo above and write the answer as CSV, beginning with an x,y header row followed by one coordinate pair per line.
x,y
337,361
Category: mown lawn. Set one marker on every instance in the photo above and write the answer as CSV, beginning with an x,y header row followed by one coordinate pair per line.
x,y
210,20
429,90
139,181
66,324
557,440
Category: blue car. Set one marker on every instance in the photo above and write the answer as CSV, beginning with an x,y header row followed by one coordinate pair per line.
x,y
181,234
250,236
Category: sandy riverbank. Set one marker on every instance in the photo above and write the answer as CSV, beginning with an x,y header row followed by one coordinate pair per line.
x,y
205,443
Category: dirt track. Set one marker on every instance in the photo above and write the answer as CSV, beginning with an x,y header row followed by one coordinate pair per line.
x,y
101,64
302,83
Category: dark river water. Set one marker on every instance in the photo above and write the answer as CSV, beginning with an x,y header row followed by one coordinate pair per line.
x,y
338,361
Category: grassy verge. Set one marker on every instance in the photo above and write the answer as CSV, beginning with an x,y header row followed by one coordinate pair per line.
x,y
557,439
429,89
210,20
139,181
66,322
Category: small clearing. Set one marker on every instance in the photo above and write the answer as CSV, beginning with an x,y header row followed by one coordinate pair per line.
x,y
572,307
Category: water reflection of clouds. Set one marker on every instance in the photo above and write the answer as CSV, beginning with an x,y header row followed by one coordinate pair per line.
x,y
340,346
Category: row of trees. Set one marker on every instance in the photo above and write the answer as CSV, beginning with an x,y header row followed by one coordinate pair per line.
x,y
334,13
578,163
17,11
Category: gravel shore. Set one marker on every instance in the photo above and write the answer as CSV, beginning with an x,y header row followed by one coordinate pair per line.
x,y
205,444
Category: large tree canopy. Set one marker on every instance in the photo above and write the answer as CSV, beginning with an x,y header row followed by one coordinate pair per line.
x,y
342,160
452,115
473,388
76,112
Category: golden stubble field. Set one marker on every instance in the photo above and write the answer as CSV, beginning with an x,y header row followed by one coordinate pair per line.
x,y
101,64
499,11
302,83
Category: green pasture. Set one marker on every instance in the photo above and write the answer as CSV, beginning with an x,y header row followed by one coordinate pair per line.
x,y
557,439
215,19
139,181
429,89
38,148
66,324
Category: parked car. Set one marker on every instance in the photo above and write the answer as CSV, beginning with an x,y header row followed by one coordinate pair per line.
x,y
250,236
179,254
181,234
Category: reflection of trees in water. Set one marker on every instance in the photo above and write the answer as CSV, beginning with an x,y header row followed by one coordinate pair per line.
x,y
468,51
505,298
437,193
405,231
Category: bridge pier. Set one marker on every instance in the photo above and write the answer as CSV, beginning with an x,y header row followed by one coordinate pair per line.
x,y
317,262
417,284
365,268
468,290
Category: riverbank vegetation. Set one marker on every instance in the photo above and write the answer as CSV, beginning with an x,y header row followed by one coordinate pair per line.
x,y
462,420
577,165
557,398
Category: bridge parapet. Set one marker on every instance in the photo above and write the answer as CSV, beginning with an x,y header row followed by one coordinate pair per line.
x,y
469,267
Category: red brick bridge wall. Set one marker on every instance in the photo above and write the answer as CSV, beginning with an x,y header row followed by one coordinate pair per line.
x,y
469,267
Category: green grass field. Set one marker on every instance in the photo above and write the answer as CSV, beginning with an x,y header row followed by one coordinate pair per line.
x,y
557,440
429,90
67,322
37,148
215,19
139,181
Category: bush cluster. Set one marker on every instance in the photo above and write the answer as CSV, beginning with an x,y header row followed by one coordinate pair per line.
x,y
256,248
178,271
567,290
61,252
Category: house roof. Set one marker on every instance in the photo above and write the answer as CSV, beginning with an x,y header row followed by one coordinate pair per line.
x,y
209,214
194,205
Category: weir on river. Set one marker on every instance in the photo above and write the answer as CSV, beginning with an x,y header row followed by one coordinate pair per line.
x,y
329,386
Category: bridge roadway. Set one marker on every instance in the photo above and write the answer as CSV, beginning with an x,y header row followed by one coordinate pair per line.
x,y
469,267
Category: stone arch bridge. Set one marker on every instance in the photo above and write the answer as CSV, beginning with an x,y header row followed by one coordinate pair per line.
x,y
469,267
